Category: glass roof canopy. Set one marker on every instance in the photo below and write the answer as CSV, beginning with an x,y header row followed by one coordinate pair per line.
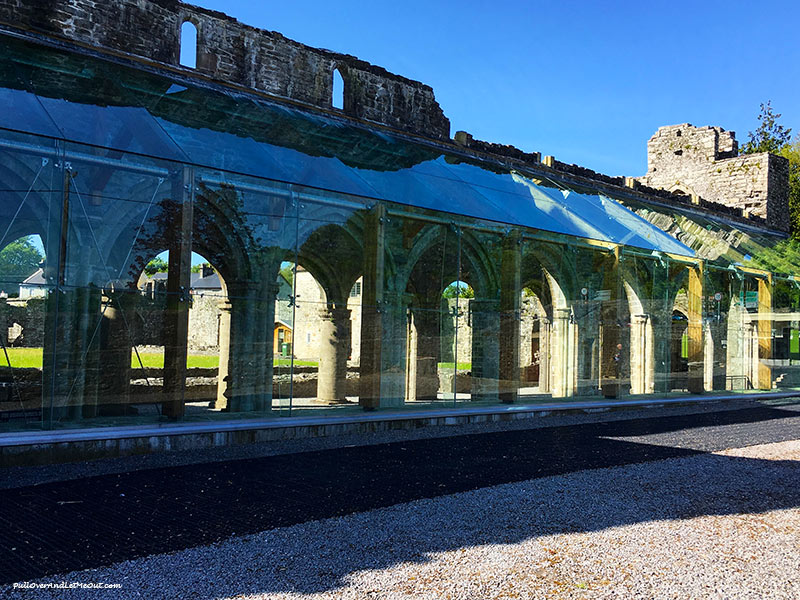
x,y
83,99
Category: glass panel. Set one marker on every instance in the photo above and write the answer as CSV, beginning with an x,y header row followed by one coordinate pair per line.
x,y
743,355
23,112
228,131
113,307
123,128
361,266
786,341
253,138
30,197
667,326
328,291
721,288
597,299
246,230
536,337
723,243
488,262
418,314
285,335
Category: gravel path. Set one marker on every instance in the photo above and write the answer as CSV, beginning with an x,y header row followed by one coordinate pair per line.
x,y
721,525
12,477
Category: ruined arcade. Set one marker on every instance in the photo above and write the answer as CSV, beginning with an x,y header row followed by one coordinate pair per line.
x,y
343,229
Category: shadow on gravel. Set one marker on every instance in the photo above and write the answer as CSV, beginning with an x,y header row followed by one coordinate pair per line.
x,y
73,525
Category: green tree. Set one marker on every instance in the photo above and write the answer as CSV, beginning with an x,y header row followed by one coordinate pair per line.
x,y
18,261
769,136
287,271
464,290
792,153
157,265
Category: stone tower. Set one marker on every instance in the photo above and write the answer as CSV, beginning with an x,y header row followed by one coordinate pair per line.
x,y
704,162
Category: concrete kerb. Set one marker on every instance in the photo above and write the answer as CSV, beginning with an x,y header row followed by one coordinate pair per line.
x,y
53,447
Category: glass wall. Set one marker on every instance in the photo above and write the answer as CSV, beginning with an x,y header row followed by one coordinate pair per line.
x,y
172,252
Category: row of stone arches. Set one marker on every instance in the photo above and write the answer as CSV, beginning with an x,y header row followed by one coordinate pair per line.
x,y
596,318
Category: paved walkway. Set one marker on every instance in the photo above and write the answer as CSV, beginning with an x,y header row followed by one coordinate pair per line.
x,y
84,523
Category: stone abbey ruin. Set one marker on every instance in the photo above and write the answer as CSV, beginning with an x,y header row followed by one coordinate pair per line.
x,y
581,285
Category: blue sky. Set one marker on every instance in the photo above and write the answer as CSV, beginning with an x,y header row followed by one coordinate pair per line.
x,y
588,82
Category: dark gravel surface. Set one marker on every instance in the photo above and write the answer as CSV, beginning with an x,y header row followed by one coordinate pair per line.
x,y
93,521
24,476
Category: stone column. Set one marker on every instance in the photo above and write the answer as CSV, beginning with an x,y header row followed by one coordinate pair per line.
x,y
611,350
510,319
247,323
587,332
716,342
764,333
662,350
638,354
223,373
334,350
695,383
71,357
393,314
709,364
176,317
563,354
116,344
545,375
370,375
743,354
423,355
485,317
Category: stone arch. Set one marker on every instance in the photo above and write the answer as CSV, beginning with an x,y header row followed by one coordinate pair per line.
x,y
438,255
21,219
476,266
333,256
651,286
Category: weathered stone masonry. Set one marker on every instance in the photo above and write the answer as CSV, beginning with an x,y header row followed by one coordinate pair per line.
x,y
699,164
236,53
704,162
401,324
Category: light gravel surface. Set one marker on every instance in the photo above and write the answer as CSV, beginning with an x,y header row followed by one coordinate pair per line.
x,y
11,477
721,525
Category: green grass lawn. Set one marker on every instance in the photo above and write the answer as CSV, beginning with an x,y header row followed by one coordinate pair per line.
x,y
32,358
22,358
463,366
155,360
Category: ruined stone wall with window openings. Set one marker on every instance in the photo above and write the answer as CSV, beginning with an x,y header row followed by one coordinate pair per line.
x,y
704,162
233,52
686,164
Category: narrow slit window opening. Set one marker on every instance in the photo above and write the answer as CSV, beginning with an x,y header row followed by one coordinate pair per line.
x,y
337,101
188,45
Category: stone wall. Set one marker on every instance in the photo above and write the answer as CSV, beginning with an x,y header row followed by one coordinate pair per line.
x,y
204,323
236,53
700,162
24,321
703,163
311,306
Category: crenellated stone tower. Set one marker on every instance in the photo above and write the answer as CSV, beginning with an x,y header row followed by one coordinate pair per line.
x,y
704,162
